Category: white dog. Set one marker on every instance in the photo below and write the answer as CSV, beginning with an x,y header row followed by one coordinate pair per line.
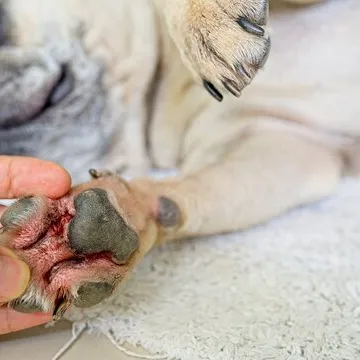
x,y
119,85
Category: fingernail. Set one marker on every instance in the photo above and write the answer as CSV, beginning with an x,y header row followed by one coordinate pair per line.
x,y
14,278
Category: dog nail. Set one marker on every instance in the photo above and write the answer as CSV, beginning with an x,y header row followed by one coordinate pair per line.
x,y
212,90
242,71
91,294
25,307
250,27
98,174
60,309
265,57
94,173
232,88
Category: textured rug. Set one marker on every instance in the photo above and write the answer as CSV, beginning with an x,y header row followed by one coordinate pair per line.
x,y
286,290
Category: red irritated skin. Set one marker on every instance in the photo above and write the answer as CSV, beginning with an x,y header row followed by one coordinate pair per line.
x,y
79,248
22,176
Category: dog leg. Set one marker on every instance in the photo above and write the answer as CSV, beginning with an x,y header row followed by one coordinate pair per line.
x,y
265,176
81,247
223,42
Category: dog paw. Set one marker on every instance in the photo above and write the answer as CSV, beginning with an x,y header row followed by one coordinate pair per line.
x,y
81,247
223,42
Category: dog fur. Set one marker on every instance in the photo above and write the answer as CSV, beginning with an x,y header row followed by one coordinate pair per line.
x,y
286,141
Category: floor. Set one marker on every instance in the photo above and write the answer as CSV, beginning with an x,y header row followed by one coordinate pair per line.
x,y
42,344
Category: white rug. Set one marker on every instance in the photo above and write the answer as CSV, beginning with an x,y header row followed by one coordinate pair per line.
x,y
288,290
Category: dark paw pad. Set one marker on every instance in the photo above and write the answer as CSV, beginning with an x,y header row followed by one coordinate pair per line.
x,y
169,213
19,213
98,227
91,294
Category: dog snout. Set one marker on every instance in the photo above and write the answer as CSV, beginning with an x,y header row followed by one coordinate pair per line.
x,y
29,85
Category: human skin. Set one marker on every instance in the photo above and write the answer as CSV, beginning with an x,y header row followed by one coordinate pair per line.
x,y
21,176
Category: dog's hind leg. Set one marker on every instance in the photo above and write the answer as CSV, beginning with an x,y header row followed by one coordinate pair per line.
x,y
262,177
81,247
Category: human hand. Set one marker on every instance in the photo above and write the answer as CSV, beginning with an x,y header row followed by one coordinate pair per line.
x,y
21,176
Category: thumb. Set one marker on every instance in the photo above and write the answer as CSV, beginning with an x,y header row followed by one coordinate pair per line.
x,y
14,276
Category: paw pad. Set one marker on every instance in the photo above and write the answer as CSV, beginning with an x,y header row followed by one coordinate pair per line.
x,y
19,213
78,249
91,294
169,213
98,227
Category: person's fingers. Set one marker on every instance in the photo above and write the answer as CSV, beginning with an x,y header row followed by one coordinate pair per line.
x,y
11,321
16,280
14,275
21,176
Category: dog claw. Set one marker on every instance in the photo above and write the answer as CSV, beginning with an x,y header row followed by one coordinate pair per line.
x,y
60,309
232,88
242,71
95,174
265,57
250,27
25,307
212,90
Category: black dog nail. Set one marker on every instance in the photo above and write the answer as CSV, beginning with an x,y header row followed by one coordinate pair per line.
x,y
25,307
232,88
250,27
242,71
212,90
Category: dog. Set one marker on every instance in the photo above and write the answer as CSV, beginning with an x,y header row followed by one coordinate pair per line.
x,y
255,105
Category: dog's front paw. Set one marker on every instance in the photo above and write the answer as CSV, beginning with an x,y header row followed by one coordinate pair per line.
x,y
81,247
223,42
